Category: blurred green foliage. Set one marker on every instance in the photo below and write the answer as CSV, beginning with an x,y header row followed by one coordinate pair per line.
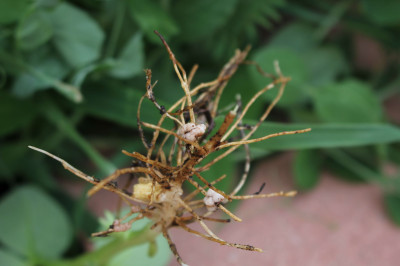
x,y
71,77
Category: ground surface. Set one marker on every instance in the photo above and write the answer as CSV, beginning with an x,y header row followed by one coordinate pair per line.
x,y
337,223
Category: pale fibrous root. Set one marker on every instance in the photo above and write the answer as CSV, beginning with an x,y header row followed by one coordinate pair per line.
x,y
157,193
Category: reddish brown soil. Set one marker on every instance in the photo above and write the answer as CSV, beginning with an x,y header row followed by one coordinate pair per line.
x,y
337,223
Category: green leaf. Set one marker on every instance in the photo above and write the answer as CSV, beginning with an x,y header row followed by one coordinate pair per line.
x,y
351,168
81,75
54,115
307,164
44,70
240,80
151,16
332,18
26,84
47,3
201,18
43,79
242,27
394,153
77,36
342,171
14,113
392,206
324,65
12,10
10,259
224,166
130,61
297,37
291,64
34,30
37,170
384,13
124,248
33,225
139,255
325,135
152,251
119,105
347,102
12,153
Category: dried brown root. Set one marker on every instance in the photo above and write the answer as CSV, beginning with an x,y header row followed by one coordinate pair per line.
x,y
270,195
172,245
161,175
114,176
218,240
92,180
195,192
247,151
243,142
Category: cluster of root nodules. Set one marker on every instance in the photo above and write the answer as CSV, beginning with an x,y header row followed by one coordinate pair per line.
x,y
158,193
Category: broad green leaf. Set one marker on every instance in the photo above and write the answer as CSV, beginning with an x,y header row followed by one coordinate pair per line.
x,y
324,65
152,250
297,37
130,61
350,167
342,171
306,169
10,259
242,84
291,64
33,225
384,13
12,153
325,135
255,153
55,115
350,101
14,113
26,84
81,75
139,255
37,170
394,153
151,16
119,105
47,3
334,14
168,87
223,167
44,70
77,36
243,27
392,206
34,30
12,10
201,18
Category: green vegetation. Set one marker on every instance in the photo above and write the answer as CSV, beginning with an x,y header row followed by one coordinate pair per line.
x,y
71,76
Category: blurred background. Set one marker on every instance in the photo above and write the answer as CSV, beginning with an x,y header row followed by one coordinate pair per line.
x,y
71,76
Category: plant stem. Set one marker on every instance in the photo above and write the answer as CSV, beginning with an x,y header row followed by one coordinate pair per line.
x,y
116,29
71,92
104,254
56,117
